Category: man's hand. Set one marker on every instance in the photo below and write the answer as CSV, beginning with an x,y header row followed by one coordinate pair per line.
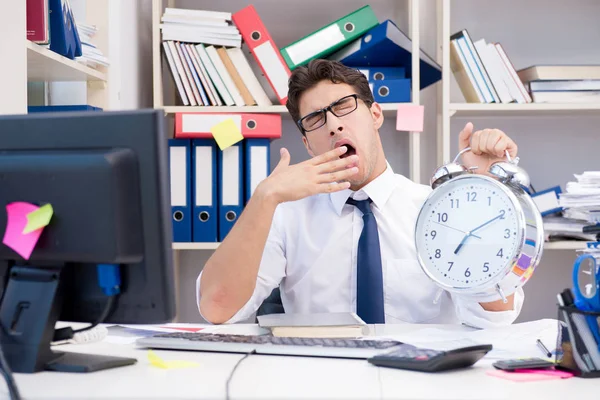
x,y
487,147
325,173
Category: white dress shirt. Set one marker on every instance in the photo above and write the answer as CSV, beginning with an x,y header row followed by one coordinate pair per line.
x,y
311,254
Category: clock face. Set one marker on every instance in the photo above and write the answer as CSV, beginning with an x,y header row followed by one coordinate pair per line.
x,y
467,232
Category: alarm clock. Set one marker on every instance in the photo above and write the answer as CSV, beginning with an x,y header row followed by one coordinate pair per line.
x,y
477,235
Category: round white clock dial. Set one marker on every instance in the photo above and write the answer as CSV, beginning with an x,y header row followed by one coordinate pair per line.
x,y
468,232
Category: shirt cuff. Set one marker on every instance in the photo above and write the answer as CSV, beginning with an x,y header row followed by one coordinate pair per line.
x,y
471,313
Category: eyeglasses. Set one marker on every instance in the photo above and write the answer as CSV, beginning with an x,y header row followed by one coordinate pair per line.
x,y
339,108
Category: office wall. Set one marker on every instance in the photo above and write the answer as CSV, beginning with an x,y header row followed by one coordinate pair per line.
x,y
552,148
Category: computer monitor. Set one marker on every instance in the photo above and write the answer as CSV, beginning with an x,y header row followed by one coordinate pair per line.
x,y
106,253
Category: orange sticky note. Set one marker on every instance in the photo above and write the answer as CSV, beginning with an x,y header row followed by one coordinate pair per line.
x,y
226,133
409,117
22,243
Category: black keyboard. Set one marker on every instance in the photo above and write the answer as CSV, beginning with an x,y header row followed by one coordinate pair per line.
x,y
268,344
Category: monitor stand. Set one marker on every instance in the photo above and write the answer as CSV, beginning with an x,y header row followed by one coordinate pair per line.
x,y
30,307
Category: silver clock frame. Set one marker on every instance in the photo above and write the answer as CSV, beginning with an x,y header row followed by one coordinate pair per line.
x,y
530,230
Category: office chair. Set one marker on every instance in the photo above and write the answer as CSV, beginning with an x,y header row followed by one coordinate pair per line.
x,y
272,304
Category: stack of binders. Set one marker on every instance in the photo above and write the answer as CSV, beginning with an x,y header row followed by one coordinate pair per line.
x,y
383,54
210,187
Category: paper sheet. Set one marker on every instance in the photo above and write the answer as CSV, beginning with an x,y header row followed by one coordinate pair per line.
x,y
14,237
226,133
513,341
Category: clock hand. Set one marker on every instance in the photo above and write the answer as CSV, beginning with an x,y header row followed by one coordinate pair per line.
x,y
460,245
488,222
460,230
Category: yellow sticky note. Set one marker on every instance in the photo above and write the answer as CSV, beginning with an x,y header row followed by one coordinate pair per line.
x,y
38,219
226,133
158,362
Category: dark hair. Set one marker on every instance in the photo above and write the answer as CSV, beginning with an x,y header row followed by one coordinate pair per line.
x,y
306,77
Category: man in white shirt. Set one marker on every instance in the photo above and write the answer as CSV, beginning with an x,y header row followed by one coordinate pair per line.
x,y
326,252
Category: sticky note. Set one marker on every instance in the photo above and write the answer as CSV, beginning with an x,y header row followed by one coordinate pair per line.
x,y
39,218
226,133
22,243
158,362
527,376
409,117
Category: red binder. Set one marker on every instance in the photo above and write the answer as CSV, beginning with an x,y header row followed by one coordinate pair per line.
x,y
198,125
264,50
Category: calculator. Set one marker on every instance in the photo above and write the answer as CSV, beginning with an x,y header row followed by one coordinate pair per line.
x,y
428,360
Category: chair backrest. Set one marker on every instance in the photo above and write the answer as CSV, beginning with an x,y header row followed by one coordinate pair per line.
x,y
272,304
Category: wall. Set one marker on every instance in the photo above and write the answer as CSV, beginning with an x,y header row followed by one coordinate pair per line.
x,y
551,148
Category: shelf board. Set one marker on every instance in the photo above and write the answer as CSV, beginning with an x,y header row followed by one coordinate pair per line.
x,y
46,65
274,109
195,246
529,109
564,245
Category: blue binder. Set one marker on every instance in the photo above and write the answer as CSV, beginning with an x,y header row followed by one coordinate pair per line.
x,y
380,73
231,187
387,46
64,38
181,196
74,107
391,90
258,156
204,190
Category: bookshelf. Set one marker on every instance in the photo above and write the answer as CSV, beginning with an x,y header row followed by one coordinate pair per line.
x,y
448,109
161,74
30,62
389,109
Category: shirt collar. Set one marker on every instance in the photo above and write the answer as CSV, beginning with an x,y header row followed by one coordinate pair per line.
x,y
379,190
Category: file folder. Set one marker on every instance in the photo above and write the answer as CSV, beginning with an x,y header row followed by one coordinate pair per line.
x,y
387,46
204,191
329,38
198,125
231,190
391,90
264,50
180,174
380,73
547,201
257,164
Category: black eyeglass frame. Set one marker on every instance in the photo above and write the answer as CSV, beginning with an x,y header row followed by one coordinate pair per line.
x,y
323,111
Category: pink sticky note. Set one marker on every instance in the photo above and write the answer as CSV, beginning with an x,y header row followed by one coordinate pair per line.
x,y
410,118
523,377
16,222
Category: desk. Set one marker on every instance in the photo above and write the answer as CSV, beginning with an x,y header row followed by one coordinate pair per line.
x,y
280,377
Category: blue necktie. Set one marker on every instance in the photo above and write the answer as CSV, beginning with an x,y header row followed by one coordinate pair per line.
x,y
369,279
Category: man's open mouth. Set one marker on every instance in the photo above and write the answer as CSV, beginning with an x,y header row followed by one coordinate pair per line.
x,y
351,150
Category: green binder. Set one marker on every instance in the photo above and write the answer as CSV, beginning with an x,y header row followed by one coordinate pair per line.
x,y
328,39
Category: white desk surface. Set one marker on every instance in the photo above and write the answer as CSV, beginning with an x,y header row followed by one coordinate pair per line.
x,y
280,377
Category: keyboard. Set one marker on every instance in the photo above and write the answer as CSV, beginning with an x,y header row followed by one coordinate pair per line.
x,y
268,344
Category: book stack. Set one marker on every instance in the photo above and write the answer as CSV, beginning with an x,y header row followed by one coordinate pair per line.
x,y
562,83
203,50
325,325
91,56
484,72
219,58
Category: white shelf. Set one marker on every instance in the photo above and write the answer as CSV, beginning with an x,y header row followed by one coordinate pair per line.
x,y
388,108
514,109
565,245
46,65
195,246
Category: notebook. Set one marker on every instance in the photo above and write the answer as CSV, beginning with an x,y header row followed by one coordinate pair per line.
x,y
320,325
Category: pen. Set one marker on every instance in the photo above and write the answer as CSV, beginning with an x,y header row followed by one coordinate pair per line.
x,y
543,348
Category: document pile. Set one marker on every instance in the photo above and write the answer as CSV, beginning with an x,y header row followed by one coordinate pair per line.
x,y
581,206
